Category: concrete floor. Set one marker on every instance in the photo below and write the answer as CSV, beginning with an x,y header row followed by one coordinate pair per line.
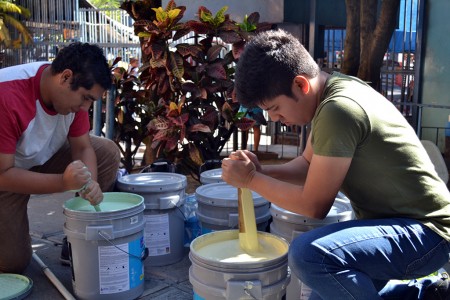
x,y
46,228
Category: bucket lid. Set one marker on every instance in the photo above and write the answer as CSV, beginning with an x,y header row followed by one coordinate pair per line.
x,y
152,182
211,176
224,195
114,203
14,286
340,211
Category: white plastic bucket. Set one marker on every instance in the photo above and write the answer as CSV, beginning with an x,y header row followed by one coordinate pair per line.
x,y
107,247
164,194
211,176
218,208
289,225
214,279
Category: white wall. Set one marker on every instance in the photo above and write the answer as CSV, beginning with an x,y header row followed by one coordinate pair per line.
x,y
271,11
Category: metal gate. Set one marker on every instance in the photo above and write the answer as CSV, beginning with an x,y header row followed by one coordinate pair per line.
x,y
57,23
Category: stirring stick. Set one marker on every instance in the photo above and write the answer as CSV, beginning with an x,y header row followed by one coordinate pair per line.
x,y
96,207
248,238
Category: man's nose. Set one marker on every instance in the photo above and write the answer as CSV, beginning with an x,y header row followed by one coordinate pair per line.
x,y
273,117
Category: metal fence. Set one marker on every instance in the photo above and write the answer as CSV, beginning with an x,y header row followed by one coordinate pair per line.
x,y
56,23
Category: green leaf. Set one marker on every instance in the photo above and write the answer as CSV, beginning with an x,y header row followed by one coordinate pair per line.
x,y
220,16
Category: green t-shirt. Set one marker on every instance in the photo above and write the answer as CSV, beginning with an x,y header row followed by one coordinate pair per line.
x,y
391,174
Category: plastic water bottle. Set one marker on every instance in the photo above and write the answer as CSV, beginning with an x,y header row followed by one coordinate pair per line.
x,y
192,226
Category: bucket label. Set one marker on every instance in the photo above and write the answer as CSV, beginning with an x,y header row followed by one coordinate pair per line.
x,y
157,234
120,267
197,297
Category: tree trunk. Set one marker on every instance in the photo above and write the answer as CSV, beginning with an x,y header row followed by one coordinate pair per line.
x,y
350,63
381,38
368,37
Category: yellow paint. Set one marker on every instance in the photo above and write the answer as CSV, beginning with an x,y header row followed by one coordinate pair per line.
x,y
248,238
224,246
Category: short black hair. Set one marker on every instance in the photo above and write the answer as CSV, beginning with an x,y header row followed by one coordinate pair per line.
x,y
88,64
269,64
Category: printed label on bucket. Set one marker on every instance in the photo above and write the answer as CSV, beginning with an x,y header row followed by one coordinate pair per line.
x,y
157,234
197,297
120,266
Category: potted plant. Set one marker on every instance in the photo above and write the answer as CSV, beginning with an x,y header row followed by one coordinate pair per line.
x,y
185,88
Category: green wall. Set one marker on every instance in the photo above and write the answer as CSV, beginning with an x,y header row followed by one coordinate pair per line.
x,y
435,70
328,12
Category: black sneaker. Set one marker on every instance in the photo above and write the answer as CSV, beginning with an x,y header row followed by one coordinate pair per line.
x,y
65,253
439,290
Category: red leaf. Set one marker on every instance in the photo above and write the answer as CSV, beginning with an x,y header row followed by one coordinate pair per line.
x,y
230,37
199,127
171,144
214,52
198,27
245,124
216,71
253,18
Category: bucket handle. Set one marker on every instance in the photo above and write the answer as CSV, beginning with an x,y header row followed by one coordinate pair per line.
x,y
170,201
143,256
253,289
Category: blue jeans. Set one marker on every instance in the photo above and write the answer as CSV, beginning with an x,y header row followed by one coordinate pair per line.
x,y
356,259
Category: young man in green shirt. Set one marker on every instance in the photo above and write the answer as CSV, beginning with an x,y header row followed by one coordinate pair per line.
x,y
359,144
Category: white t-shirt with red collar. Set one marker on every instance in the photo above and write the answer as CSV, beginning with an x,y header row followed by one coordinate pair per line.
x,y
28,129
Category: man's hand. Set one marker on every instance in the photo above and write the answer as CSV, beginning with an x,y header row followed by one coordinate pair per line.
x,y
92,192
238,169
78,178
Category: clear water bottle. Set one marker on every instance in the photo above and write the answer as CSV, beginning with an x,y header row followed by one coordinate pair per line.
x,y
192,226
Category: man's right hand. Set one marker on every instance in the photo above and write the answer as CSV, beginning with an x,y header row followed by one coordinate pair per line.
x,y
76,176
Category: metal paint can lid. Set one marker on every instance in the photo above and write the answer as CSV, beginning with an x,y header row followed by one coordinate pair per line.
x,y
223,195
14,286
152,182
211,176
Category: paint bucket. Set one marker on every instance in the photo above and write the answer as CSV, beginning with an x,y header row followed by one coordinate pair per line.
x,y
213,277
107,247
289,225
211,176
164,194
218,208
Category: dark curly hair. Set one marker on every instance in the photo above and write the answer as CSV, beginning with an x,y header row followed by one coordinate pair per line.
x,y
269,63
88,64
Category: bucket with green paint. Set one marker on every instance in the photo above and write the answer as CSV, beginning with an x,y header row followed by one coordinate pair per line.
x,y
106,247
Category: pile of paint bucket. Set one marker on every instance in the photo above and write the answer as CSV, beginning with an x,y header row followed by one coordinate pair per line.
x,y
217,274
289,225
140,226
164,196
107,247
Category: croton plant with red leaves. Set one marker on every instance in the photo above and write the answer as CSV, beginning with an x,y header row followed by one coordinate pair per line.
x,y
187,86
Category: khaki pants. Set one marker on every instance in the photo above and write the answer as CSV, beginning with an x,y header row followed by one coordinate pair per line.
x,y
15,240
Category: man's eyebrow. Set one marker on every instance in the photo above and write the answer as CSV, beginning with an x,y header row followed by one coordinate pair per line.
x,y
90,97
269,108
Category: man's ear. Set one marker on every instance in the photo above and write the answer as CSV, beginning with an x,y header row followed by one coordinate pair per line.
x,y
303,83
65,76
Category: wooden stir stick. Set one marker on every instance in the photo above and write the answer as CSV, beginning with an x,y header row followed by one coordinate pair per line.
x,y
248,238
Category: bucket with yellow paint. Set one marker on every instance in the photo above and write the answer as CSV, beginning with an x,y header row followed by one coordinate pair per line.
x,y
106,248
218,208
164,195
289,225
220,269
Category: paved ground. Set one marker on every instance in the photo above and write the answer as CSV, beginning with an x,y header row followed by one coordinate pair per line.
x,y
46,217
46,221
